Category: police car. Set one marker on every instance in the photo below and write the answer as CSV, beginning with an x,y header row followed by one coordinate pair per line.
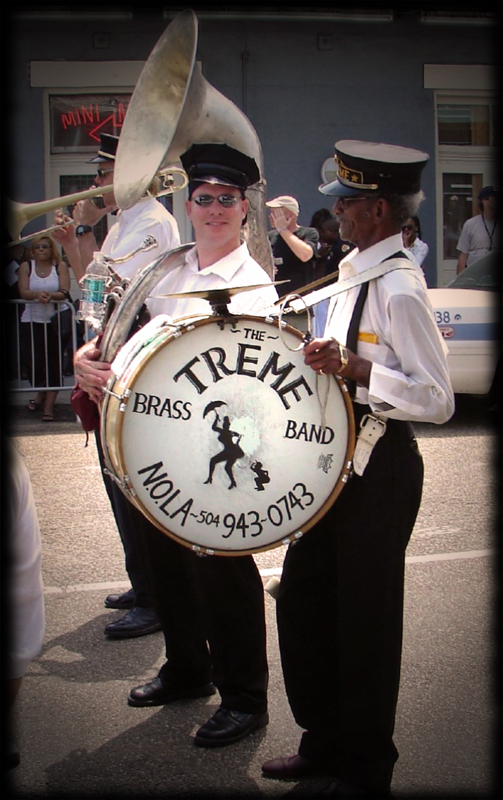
x,y
467,314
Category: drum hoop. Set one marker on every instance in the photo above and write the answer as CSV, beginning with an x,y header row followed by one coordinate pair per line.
x,y
344,474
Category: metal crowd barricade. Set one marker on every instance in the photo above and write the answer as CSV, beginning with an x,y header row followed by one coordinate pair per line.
x,y
20,378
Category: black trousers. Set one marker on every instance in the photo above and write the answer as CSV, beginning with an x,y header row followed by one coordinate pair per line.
x,y
208,600
127,526
340,616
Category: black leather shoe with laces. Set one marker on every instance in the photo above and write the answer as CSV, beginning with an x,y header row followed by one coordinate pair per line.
x,y
122,601
227,726
159,692
137,622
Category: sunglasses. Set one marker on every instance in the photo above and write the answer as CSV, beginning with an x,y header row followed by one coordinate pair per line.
x,y
225,200
41,247
346,202
102,173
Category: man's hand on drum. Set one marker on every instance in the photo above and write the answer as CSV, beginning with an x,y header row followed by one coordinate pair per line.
x,y
91,375
323,356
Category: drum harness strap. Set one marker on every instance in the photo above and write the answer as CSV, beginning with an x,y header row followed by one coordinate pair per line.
x,y
371,426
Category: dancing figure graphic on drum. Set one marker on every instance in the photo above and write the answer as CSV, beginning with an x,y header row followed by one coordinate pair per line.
x,y
231,452
262,475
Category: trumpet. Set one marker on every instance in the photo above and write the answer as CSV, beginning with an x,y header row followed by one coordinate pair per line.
x,y
19,214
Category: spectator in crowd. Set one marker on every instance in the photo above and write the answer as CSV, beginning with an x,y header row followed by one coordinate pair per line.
x,y
22,552
411,235
317,220
332,249
147,217
211,608
294,246
482,233
43,279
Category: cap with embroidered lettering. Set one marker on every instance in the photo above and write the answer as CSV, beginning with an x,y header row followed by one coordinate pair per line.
x,y
374,168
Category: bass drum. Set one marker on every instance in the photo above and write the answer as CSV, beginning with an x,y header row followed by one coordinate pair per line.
x,y
222,436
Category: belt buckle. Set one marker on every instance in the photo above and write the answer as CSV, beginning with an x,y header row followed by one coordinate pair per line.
x,y
371,419
371,430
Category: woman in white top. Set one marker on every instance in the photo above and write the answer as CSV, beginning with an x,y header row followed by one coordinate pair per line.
x,y
43,278
411,235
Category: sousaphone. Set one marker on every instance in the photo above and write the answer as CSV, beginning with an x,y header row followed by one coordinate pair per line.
x,y
173,106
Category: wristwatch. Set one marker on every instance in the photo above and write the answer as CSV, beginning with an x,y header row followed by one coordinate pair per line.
x,y
343,355
80,230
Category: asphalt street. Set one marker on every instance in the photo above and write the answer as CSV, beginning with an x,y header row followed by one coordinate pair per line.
x,y
79,738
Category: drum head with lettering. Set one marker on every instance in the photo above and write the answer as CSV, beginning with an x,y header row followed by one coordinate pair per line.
x,y
226,440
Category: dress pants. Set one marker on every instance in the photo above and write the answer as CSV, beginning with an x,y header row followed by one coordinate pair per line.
x,y
209,600
126,525
340,615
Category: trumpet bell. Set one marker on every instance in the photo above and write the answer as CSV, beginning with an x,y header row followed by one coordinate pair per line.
x,y
19,214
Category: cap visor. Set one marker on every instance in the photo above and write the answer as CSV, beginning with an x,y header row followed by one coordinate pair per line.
x,y
337,189
217,182
100,160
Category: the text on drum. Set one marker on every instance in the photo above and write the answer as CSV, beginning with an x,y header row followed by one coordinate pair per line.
x,y
214,364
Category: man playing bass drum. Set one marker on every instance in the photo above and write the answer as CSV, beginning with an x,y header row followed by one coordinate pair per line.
x,y
212,600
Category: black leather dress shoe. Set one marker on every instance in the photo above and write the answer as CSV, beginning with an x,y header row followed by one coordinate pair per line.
x,y
290,768
137,622
226,727
159,692
125,600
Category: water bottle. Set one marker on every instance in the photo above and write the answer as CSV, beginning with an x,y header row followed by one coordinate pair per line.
x,y
92,305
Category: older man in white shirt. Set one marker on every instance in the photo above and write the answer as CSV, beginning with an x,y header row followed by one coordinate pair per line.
x,y
340,601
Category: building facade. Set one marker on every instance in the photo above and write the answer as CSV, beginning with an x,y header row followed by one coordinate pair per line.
x,y
422,77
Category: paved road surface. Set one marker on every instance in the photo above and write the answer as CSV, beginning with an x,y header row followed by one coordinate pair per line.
x,y
79,738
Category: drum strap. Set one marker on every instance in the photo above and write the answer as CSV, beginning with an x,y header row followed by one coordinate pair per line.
x,y
354,328
371,427
397,261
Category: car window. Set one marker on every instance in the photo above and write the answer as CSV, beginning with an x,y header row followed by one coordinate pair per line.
x,y
483,274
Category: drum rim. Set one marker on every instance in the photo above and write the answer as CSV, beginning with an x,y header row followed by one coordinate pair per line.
x,y
164,337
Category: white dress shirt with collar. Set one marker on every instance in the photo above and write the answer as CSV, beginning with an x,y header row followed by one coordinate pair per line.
x,y
148,217
409,379
419,250
236,269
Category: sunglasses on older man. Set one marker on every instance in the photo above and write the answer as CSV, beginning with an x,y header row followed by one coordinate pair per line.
x,y
346,202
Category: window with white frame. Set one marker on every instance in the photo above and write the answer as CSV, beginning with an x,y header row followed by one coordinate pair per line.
x,y
467,134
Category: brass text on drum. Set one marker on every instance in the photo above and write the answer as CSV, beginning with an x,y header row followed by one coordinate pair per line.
x,y
308,432
161,406
214,362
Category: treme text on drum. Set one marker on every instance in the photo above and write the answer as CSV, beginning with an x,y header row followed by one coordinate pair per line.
x,y
214,365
